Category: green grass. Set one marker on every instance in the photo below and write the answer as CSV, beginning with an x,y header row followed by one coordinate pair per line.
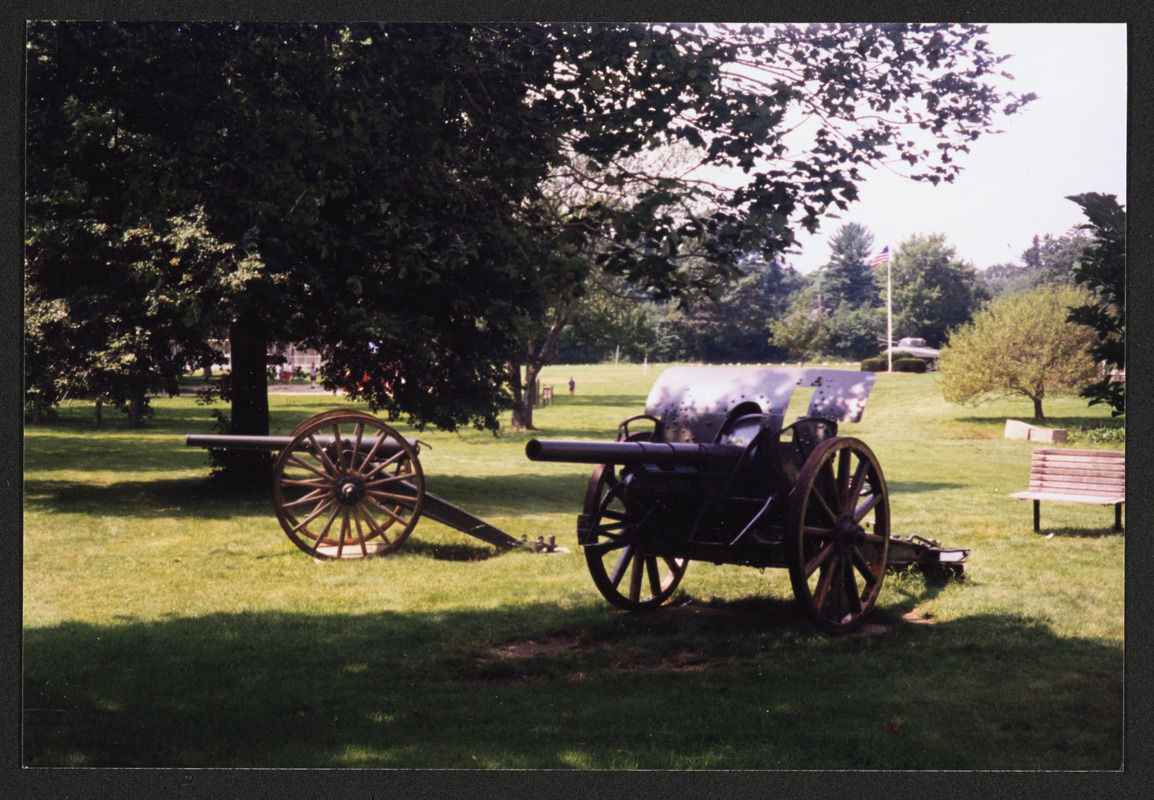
x,y
169,622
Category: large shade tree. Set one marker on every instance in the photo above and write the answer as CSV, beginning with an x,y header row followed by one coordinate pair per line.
x,y
376,190
933,290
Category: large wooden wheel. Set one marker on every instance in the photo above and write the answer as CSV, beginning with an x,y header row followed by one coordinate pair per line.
x,y
837,534
625,574
347,486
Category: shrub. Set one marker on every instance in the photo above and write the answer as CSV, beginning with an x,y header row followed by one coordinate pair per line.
x,y
903,362
909,365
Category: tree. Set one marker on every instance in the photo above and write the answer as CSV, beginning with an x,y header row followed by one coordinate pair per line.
x,y
854,332
803,331
933,292
732,329
1048,260
1018,345
846,279
1102,269
375,190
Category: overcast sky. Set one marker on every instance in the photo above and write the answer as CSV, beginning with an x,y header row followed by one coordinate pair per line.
x,y
1071,140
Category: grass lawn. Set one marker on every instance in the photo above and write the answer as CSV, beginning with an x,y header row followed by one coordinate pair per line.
x,y
170,623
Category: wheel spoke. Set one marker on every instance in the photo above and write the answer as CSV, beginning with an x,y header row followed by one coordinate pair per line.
x,y
823,581
865,508
849,587
406,500
296,461
393,459
635,579
320,509
843,479
376,528
330,467
619,569
857,484
311,497
823,504
819,558
360,533
358,435
396,517
399,477
654,575
864,568
607,546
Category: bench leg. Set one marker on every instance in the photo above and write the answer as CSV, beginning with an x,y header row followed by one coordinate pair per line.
x,y
1117,516
1037,516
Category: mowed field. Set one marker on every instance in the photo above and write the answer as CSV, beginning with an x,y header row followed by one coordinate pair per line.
x,y
168,622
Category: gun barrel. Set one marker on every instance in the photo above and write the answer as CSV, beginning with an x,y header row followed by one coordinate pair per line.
x,y
706,457
388,448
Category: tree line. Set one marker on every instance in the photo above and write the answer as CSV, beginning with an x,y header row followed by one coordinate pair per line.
x,y
773,313
439,208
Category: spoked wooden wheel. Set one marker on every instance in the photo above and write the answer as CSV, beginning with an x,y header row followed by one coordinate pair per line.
x,y
837,534
347,486
623,572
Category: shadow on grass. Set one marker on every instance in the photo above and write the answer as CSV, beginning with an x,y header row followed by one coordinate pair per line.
x,y
196,497
599,400
1081,533
203,498
916,487
746,684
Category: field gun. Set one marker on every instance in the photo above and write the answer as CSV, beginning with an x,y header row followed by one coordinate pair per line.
x,y
345,485
719,477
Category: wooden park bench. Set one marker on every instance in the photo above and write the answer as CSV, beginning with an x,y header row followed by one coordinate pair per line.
x,y
1077,476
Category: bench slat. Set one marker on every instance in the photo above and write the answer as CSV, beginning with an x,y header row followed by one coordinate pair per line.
x,y
1096,477
1061,497
1068,483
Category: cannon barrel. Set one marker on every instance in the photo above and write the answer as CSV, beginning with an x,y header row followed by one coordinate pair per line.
x,y
388,448
705,457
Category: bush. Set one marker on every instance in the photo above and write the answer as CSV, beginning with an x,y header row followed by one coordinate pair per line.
x,y
909,365
903,362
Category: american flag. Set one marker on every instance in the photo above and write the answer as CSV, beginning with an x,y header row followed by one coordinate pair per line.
x,y
881,257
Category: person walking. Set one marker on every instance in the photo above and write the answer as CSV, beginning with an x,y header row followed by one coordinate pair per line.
x,y
313,376
572,386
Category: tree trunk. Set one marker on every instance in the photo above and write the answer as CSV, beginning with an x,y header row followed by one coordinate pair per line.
x,y
248,391
1038,408
136,409
525,394
249,384
97,414
522,398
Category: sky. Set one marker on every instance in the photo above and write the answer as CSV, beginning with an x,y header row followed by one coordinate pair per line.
x,y
1071,140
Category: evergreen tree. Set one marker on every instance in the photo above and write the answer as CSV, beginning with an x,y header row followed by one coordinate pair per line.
x,y
847,279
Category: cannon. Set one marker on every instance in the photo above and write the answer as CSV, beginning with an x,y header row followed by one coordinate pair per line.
x,y
345,485
717,475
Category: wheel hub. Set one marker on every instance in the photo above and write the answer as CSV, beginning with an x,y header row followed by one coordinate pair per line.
x,y
349,490
847,533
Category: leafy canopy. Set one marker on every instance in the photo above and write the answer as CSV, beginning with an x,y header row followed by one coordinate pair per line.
x,y
1102,269
374,189
1018,345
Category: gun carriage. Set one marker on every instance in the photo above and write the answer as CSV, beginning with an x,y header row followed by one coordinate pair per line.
x,y
345,485
719,477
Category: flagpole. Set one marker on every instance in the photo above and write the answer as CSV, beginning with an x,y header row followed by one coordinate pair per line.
x,y
889,319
